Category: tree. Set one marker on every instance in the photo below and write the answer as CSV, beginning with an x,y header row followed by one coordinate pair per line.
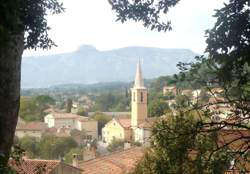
x,y
51,147
30,145
32,108
102,119
23,25
157,108
69,155
116,145
82,112
176,149
69,104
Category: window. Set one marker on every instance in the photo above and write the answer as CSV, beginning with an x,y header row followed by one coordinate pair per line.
x,y
134,96
141,96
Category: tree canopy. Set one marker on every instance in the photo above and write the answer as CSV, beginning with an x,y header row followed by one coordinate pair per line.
x,y
177,148
28,17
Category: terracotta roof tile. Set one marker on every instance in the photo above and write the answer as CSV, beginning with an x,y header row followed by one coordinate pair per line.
x,y
31,126
115,163
149,122
124,122
58,115
32,166
35,166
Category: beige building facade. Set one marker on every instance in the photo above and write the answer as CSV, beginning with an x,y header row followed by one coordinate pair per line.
x,y
117,129
72,121
31,129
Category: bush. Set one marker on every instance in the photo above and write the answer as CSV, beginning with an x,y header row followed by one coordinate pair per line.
x,y
116,145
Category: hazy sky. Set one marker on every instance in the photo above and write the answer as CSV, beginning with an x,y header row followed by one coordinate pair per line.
x,y
93,22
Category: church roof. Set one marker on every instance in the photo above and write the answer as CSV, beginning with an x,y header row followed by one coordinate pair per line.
x,y
139,83
149,122
124,122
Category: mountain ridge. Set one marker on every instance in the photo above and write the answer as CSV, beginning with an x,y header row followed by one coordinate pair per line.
x,y
89,65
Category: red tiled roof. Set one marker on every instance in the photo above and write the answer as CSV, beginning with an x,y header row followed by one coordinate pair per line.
x,y
35,166
31,126
69,116
32,166
149,122
115,163
124,122
238,138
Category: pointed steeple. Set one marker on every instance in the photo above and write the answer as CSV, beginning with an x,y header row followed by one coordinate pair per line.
x,y
139,83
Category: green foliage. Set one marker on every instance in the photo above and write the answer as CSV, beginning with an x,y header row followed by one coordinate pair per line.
x,y
32,108
69,104
136,143
158,108
147,12
102,119
52,147
182,101
15,154
116,145
44,100
29,19
177,147
69,155
82,112
158,83
112,102
30,145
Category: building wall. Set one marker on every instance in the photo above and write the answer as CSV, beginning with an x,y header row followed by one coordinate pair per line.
x,y
139,106
113,130
142,135
49,119
90,127
60,122
30,133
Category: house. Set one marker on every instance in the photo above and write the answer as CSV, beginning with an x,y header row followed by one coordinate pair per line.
x,y
117,128
33,129
138,126
35,166
115,163
72,121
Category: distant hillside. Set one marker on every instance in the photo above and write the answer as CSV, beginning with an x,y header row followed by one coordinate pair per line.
x,y
88,65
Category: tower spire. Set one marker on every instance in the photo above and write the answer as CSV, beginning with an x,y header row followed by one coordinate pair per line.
x,y
139,83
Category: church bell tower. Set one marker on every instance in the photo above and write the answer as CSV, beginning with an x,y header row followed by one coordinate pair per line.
x,y
139,99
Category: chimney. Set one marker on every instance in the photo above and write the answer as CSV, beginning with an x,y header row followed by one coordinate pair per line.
x,y
75,160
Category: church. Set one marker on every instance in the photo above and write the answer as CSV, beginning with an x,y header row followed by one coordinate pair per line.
x,y
138,127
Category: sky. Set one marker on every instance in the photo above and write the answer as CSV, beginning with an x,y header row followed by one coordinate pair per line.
x,y
92,22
